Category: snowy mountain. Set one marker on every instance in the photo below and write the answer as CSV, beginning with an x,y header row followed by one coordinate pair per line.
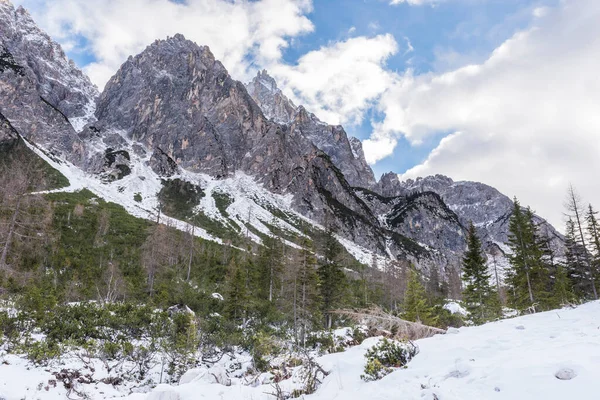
x,y
172,115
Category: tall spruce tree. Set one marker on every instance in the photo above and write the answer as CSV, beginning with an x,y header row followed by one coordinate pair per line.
x,y
306,296
528,276
593,228
270,266
575,211
576,266
332,279
236,301
416,305
480,298
562,289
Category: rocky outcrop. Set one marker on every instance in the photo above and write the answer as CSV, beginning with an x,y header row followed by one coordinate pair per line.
x,y
346,153
42,92
273,103
7,132
55,77
485,206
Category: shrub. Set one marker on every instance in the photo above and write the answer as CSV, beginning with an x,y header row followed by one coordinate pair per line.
x,y
41,352
385,356
263,348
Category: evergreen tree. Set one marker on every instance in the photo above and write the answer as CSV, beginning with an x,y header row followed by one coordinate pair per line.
x,y
416,305
237,296
331,278
270,266
593,228
528,277
306,296
562,290
575,262
481,300
576,211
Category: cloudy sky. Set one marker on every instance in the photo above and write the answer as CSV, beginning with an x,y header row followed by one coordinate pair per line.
x,y
506,92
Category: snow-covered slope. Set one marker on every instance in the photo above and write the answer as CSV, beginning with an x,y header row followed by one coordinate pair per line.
x,y
512,359
251,210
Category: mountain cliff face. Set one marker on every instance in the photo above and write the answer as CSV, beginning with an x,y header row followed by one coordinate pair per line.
x,y
346,153
174,112
175,99
486,207
44,95
273,103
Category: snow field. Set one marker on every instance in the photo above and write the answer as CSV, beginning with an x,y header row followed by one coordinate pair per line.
x,y
511,359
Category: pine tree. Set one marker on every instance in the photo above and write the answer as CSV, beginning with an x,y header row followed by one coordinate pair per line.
x,y
416,305
481,300
270,266
575,210
593,228
331,278
306,296
528,277
562,290
576,267
237,296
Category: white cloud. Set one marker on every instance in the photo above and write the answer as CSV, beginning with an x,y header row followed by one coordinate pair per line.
x,y
413,2
528,116
409,46
116,29
341,81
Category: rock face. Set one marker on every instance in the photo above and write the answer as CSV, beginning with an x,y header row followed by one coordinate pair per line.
x,y
273,103
43,94
486,207
175,109
8,134
346,153
56,78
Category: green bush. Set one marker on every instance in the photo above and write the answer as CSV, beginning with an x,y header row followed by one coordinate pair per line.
x,y
385,356
263,348
43,351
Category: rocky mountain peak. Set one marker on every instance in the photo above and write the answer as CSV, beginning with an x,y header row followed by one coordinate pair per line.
x,y
174,75
57,78
36,72
357,148
273,103
346,154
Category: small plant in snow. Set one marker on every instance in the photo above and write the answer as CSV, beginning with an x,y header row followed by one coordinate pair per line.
x,y
385,356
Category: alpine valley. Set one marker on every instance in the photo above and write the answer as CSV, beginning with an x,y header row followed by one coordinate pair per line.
x,y
182,227
172,116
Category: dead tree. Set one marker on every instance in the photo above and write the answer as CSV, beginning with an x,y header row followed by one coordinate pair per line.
x,y
378,320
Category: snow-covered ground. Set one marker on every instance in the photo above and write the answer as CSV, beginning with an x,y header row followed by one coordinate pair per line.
x,y
517,358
